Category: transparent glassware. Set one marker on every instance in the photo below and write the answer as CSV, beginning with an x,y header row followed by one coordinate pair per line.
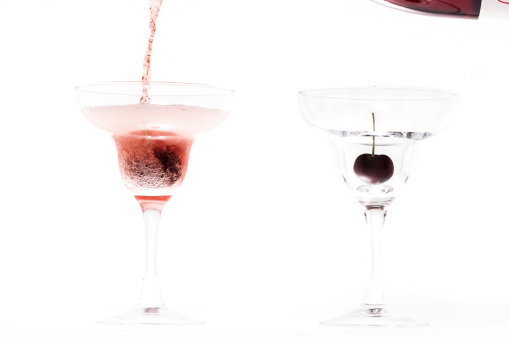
x,y
375,129
153,144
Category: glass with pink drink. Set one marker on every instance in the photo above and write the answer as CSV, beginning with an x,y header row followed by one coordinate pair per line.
x,y
153,139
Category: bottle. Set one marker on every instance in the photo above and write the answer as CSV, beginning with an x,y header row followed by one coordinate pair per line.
x,y
474,9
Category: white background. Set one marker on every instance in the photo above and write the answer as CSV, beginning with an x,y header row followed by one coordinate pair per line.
x,y
263,238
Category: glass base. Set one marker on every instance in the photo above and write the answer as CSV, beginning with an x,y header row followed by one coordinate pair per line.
x,y
150,316
370,316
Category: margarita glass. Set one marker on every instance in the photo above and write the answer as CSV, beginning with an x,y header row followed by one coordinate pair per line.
x,y
375,129
153,142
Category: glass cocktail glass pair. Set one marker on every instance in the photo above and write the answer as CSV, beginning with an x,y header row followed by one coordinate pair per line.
x,y
375,129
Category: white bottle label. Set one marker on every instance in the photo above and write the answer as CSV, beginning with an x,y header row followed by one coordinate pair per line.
x,y
494,9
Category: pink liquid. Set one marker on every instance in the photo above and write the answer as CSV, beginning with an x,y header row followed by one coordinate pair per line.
x,y
180,119
152,202
155,6
456,7
153,143
152,163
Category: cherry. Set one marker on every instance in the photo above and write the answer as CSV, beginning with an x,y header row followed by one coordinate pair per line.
x,y
373,169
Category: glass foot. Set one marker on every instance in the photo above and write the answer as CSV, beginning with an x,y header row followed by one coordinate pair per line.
x,y
150,316
369,316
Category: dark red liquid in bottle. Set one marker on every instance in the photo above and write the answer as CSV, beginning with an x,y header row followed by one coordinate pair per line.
x,y
456,7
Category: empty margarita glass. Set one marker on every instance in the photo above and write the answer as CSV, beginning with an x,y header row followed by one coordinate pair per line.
x,y
375,129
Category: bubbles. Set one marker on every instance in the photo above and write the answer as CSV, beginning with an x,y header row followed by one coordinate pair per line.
x,y
375,190
152,165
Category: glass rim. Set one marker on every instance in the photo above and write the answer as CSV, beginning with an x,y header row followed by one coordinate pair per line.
x,y
387,4
214,90
438,93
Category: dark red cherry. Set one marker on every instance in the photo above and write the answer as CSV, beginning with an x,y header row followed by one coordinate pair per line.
x,y
373,169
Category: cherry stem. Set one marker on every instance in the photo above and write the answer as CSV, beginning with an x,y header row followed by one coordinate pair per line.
x,y
147,136
373,148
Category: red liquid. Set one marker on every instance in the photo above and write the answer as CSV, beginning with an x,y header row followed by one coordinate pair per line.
x,y
155,6
153,160
152,163
149,202
456,7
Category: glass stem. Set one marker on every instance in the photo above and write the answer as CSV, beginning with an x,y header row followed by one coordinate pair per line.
x,y
375,218
150,293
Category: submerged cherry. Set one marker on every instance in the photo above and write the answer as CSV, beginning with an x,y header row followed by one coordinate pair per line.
x,y
373,168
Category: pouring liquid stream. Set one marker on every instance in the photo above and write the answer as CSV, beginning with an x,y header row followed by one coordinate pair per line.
x,y
155,6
